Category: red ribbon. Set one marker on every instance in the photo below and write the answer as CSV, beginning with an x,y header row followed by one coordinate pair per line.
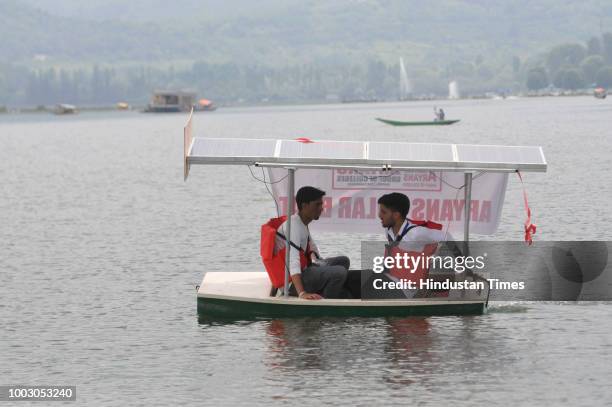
x,y
530,228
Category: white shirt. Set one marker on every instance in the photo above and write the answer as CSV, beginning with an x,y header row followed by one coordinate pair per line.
x,y
299,236
417,237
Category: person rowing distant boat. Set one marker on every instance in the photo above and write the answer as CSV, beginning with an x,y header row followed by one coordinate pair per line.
x,y
439,113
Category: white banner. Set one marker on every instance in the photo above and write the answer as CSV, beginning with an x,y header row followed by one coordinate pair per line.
x,y
350,201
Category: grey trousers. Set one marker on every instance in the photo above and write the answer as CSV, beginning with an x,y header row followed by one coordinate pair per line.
x,y
327,279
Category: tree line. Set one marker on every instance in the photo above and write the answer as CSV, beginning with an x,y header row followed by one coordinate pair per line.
x,y
222,83
565,66
574,66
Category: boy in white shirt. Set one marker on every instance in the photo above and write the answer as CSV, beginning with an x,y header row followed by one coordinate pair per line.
x,y
403,236
321,278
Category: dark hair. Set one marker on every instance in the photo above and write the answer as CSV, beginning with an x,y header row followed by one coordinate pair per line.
x,y
308,194
396,202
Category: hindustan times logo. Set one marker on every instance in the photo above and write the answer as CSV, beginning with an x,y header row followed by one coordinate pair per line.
x,y
409,262
430,284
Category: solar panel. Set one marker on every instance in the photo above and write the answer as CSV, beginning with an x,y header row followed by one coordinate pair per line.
x,y
470,153
404,152
334,154
336,150
238,149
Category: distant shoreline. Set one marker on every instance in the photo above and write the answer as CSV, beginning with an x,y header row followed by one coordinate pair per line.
x,y
140,108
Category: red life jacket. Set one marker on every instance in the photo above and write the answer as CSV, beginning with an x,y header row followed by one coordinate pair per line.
x,y
275,263
420,272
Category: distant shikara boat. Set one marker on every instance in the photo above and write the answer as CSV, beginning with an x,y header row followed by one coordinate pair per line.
x,y
63,108
252,294
426,123
204,105
600,93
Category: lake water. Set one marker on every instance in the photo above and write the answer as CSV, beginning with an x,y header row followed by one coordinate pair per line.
x,y
102,244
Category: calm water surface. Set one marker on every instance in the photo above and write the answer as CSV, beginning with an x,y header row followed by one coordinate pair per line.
x,y
102,244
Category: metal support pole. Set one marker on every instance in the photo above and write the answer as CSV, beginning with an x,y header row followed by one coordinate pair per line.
x,y
290,203
468,212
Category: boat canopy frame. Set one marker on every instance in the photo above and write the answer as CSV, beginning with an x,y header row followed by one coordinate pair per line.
x,y
295,154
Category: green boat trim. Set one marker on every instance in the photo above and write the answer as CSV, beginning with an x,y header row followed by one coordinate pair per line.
x,y
246,295
231,308
428,123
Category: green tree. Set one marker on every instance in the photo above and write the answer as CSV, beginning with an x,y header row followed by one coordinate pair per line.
x,y
537,79
485,72
604,77
3,93
460,69
594,46
565,55
606,42
590,66
516,65
568,78
375,76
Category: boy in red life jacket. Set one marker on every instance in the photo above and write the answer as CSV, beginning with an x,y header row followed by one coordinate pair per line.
x,y
407,237
321,278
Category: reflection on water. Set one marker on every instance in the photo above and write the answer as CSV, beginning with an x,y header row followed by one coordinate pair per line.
x,y
502,357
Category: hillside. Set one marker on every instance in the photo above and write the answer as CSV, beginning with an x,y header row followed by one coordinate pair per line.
x,y
274,32
241,51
